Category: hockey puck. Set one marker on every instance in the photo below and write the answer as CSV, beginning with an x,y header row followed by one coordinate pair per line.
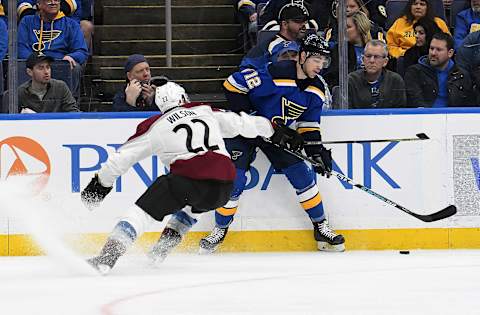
x,y
404,252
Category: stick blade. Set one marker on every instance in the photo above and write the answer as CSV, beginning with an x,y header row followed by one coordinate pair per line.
x,y
422,136
440,215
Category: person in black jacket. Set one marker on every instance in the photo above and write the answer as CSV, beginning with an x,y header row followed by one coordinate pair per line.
x,y
424,30
468,58
437,81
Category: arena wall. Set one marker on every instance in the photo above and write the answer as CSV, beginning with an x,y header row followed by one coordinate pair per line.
x,y
423,176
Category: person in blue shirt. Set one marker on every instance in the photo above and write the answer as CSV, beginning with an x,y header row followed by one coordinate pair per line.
x,y
290,94
467,21
78,10
436,81
52,33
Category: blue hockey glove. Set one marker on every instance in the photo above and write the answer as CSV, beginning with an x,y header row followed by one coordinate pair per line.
x,y
94,193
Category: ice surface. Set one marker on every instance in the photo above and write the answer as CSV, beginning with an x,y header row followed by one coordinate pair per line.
x,y
424,282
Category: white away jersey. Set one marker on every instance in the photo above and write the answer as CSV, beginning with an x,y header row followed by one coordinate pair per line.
x,y
189,139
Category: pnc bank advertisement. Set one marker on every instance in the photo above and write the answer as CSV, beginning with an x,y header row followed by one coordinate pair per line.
x,y
59,155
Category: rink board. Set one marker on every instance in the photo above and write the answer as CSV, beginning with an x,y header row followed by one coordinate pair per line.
x,y
423,176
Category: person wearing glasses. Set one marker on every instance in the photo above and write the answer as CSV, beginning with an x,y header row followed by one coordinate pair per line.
x,y
374,86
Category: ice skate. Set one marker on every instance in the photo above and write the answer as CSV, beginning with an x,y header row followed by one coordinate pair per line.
x,y
169,239
112,250
327,239
210,243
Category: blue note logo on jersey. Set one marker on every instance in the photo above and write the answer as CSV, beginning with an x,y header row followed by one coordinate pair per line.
x,y
47,36
236,154
290,110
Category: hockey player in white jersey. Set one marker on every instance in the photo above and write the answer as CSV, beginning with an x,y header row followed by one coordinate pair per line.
x,y
187,137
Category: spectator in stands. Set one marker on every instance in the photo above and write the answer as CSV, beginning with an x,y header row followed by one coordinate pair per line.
x,y
358,35
353,6
3,33
468,58
29,7
292,28
247,14
378,12
467,21
79,10
139,93
55,35
43,94
86,23
374,86
271,17
401,35
436,81
424,29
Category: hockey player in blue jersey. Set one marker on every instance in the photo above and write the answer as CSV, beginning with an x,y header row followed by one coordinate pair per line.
x,y
288,93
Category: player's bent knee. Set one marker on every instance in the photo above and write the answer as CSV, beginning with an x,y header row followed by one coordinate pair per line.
x,y
299,175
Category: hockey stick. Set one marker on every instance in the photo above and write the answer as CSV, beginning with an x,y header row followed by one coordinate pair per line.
x,y
420,136
439,215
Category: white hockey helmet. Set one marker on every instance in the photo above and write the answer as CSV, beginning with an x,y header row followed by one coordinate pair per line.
x,y
170,95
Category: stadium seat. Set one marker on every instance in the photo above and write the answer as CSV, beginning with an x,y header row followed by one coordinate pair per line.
x,y
456,7
395,9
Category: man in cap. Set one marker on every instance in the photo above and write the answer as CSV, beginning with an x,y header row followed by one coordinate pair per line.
x,y
293,18
43,94
139,92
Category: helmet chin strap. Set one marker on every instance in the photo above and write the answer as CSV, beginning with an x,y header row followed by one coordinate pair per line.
x,y
302,64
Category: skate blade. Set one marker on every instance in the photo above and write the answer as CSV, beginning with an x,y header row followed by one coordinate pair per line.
x,y
156,261
102,269
206,251
326,247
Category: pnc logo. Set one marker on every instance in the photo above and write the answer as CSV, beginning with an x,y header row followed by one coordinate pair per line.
x,y
24,156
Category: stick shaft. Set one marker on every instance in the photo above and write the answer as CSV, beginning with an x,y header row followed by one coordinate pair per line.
x,y
442,214
421,136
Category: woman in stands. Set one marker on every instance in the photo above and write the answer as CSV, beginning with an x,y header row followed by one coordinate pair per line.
x,y
424,29
401,35
352,6
358,35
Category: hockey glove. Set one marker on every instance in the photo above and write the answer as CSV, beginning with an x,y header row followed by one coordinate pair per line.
x,y
286,137
94,193
324,159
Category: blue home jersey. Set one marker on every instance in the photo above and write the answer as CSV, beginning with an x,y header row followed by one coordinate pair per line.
x,y
275,93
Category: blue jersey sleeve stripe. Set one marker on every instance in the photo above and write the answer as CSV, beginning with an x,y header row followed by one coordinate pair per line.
x,y
227,85
316,91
